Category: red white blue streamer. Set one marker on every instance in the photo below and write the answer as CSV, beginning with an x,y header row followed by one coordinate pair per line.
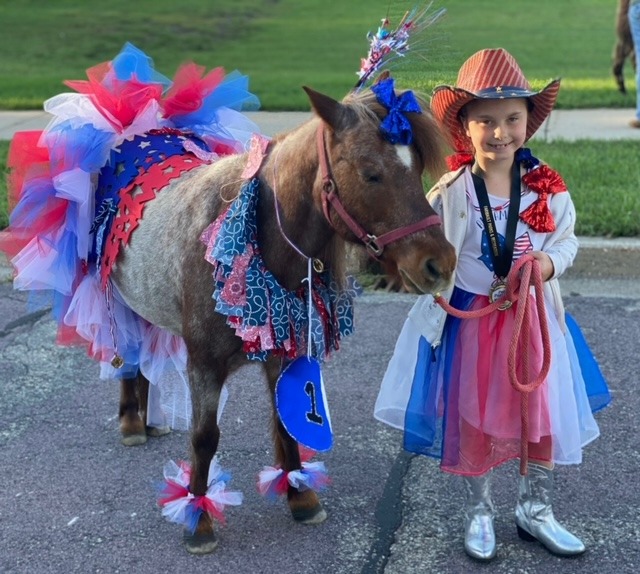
x,y
275,481
390,43
182,507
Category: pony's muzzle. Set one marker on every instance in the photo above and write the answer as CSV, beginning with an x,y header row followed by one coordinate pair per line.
x,y
438,272
428,274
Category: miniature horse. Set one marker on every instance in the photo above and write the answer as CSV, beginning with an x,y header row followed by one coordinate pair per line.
x,y
163,275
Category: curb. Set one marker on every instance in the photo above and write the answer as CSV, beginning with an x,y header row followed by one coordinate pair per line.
x,y
593,246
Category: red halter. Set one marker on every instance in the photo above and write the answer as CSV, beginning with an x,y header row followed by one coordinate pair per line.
x,y
375,245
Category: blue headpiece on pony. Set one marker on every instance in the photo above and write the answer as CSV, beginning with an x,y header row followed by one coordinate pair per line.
x,y
396,127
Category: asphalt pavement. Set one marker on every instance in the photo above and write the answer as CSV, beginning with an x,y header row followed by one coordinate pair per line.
x,y
75,500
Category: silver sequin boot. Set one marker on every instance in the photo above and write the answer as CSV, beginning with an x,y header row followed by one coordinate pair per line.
x,y
479,537
534,515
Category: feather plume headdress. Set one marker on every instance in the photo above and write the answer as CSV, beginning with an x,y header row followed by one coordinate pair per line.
x,y
388,43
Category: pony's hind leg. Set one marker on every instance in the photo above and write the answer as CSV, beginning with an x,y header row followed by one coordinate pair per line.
x,y
134,400
206,385
132,424
305,505
156,429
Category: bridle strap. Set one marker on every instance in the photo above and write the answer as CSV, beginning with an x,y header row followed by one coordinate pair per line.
x,y
375,245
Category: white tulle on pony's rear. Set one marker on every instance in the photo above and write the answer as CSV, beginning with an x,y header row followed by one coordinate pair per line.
x,y
52,189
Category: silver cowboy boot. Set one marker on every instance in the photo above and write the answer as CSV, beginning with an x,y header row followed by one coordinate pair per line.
x,y
479,537
534,515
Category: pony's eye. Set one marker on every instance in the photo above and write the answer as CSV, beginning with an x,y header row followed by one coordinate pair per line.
x,y
373,177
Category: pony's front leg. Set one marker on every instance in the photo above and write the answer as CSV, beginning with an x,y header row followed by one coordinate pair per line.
x,y
206,385
305,505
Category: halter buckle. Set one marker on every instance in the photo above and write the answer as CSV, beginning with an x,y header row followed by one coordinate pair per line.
x,y
371,244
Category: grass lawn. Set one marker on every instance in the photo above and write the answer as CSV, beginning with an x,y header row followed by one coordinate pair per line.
x,y
283,44
602,177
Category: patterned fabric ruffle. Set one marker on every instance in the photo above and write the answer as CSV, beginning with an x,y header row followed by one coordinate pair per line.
x,y
266,316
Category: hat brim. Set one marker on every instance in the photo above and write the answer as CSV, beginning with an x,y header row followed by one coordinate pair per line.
x,y
447,101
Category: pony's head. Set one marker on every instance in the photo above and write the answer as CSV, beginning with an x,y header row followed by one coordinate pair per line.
x,y
371,189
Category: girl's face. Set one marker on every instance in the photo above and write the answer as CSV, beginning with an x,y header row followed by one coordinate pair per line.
x,y
497,128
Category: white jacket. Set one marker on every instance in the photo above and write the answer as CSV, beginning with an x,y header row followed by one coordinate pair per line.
x,y
448,198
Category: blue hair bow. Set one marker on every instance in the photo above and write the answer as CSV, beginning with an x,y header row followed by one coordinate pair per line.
x,y
526,158
396,127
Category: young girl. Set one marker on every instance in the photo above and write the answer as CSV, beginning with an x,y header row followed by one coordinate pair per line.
x,y
448,384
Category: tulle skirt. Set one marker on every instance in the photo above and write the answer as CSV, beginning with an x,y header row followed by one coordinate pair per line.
x,y
52,184
455,402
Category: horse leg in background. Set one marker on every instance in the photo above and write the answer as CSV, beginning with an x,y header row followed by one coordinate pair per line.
x,y
305,505
623,47
620,54
132,409
206,381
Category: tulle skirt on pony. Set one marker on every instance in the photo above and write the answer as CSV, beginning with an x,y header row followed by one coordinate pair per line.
x,y
55,180
456,402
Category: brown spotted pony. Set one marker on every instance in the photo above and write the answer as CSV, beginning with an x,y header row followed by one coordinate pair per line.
x,y
337,180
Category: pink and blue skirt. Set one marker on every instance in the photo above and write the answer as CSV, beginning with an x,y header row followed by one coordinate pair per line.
x,y
455,401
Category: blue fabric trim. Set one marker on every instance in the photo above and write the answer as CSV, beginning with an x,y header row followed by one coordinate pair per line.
x,y
288,309
125,163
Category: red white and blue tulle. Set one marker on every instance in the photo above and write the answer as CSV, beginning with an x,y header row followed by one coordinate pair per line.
x,y
181,506
52,185
460,407
274,481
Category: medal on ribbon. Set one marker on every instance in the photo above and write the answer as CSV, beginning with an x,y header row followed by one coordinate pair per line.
x,y
501,254
496,291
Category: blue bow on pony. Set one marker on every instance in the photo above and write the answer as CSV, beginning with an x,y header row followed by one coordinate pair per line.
x,y
396,127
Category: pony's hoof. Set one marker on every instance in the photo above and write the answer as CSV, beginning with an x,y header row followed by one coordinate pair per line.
x,y
200,543
314,515
133,439
158,431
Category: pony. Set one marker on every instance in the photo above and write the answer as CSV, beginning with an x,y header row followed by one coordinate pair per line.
x,y
321,186
623,48
169,244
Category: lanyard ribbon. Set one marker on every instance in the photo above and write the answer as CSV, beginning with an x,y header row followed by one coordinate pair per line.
x,y
501,257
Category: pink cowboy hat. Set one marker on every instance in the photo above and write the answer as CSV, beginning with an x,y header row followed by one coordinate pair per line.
x,y
490,74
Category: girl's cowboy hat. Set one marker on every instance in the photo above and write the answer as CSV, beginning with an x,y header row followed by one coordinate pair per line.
x,y
490,74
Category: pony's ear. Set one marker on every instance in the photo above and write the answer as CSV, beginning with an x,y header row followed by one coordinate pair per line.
x,y
335,114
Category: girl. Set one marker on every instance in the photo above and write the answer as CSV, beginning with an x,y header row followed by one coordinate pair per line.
x,y
448,384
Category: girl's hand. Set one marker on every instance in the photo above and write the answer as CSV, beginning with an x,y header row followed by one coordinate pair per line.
x,y
546,265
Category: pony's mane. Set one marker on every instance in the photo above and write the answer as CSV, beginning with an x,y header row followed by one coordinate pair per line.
x,y
428,139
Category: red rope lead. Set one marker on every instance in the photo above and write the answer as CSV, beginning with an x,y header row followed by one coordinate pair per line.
x,y
524,274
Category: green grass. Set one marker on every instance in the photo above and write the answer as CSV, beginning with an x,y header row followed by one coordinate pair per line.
x,y
284,44
602,177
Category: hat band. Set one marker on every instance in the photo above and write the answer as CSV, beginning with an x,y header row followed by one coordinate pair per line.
x,y
497,92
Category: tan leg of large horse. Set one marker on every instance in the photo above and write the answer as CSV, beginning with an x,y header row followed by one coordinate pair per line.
x,y
205,435
305,505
